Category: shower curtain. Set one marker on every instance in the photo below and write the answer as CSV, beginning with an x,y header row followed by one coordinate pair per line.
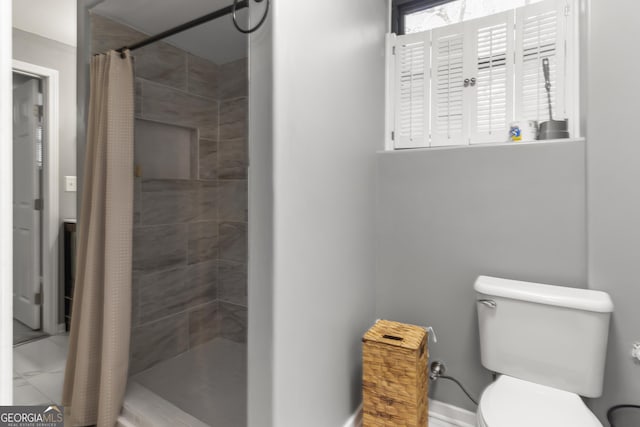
x,y
97,364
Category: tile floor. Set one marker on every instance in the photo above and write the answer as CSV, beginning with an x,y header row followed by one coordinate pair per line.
x,y
22,333
38,370
208,382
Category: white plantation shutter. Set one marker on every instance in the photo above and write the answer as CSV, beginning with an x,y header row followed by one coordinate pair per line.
x,y
540,33
412,67
490,61
430,105
448,116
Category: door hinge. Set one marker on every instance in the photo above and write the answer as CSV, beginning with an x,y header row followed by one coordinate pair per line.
x,y
393,50
393,136
567,10
38,111
37,298
38,204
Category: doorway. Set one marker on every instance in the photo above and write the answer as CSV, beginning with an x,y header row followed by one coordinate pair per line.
x,y
35,203
28,122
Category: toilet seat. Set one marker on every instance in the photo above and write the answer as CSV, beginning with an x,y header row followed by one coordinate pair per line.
x,y
512,402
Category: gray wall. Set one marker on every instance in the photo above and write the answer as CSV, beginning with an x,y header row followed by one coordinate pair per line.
x,y
48,53
328,118
614,188
261,233
446,216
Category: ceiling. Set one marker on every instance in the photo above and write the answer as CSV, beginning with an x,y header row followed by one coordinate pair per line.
x,y
217,40
54,19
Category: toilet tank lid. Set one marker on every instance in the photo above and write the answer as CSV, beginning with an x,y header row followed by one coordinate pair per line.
x,y
580,299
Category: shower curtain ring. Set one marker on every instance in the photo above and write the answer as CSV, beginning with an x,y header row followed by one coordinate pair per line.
x,y
250,30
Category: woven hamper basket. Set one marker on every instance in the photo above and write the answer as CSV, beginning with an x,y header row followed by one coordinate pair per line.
x,y
394,375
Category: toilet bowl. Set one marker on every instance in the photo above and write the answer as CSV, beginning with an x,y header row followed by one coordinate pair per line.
x,y
511,402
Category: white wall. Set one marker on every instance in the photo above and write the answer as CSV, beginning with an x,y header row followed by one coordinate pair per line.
x,y
614,188
6,210
51,19
446,216
328,117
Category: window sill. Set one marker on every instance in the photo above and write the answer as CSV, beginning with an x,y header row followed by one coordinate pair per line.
x,y
480,146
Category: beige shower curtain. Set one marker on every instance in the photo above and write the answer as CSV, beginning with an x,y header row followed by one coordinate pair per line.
x,y
97,365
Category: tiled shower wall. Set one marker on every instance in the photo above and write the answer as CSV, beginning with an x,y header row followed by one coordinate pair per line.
x,y
190,234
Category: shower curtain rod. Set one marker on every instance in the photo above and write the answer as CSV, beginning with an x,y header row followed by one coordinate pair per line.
x,y
187,25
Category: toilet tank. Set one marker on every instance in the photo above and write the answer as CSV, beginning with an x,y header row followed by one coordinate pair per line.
x,y
550,335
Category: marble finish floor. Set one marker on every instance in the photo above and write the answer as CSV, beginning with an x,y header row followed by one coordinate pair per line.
x,y
38,371
23,333
208,382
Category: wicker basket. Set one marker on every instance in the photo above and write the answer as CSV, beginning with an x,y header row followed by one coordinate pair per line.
x,y
394,377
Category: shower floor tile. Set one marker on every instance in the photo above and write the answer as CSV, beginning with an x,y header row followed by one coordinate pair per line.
x,y
208,382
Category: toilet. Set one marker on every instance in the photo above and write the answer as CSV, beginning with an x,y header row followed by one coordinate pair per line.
x,y
548,346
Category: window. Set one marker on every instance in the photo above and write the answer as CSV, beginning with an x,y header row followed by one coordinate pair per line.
x,y
412,16
464,83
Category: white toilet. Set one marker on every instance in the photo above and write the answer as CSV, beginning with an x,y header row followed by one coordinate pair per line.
x,y
548,345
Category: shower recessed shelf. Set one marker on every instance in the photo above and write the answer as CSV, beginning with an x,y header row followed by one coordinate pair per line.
x,y
164,151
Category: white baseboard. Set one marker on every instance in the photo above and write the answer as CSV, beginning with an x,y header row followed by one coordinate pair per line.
x,y
355,420
451,415
445,414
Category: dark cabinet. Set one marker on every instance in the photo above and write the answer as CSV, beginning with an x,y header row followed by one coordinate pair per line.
x,y
69,270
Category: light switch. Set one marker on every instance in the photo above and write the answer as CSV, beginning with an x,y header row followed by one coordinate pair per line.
x,y
70,184
635,352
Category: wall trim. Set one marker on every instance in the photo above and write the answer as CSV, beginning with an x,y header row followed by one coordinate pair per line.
x,y
6,211
355,420
448,415
453,415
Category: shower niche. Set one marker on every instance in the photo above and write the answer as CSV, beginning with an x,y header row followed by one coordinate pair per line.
x,y
165,151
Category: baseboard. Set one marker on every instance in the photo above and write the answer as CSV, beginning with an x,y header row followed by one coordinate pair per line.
x,y
62,328
355,420
447,415
451,415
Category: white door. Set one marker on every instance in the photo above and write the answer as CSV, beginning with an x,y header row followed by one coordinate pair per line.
x,y
26,219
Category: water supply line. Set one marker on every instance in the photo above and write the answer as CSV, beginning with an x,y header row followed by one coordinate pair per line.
x,y
437,370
